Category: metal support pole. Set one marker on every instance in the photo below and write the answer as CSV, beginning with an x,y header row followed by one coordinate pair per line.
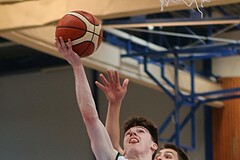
x,y
192,73
177,100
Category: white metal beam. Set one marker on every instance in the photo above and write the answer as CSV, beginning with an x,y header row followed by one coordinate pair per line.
x,y
173,24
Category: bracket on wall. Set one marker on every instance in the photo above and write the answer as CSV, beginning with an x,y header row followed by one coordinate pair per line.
x,y
178,57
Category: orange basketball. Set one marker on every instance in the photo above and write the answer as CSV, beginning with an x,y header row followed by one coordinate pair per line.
x,y
83,29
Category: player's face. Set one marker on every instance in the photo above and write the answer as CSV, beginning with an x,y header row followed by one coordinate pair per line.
x,y
166,154
138,139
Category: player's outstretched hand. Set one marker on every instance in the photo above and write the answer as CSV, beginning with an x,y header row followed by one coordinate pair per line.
x,y
112,88
67,52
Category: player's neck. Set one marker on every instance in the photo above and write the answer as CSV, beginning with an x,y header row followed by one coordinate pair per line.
x,y
140,157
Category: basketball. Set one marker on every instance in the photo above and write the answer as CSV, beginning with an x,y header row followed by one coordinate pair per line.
x,y
83,29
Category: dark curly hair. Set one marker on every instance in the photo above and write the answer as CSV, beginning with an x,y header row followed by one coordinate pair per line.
x,y
182,155
141,121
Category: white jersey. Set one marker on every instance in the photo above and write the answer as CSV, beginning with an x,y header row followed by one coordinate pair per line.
x,y
120,157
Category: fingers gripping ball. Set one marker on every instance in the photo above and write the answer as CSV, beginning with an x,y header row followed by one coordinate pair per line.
x,y
83,29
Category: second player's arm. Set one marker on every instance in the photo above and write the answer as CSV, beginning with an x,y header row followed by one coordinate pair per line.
x,y
115,93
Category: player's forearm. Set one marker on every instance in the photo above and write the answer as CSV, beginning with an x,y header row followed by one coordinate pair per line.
x,y
100,141
113,125
84,95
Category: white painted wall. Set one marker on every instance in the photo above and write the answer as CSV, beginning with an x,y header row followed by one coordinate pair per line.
x,y
39,117
226,66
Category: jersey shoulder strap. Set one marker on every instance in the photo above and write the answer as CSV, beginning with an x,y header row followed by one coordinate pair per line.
x,y
118,154
120,157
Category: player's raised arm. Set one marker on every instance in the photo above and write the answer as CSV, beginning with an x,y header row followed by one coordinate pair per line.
x,y
115,93
100,141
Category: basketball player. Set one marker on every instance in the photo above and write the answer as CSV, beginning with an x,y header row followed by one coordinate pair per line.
x,y
170,151
115,94
140,139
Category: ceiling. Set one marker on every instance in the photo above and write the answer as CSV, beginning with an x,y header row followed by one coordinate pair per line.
x,y
152,27
16,58
218,21
177,26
